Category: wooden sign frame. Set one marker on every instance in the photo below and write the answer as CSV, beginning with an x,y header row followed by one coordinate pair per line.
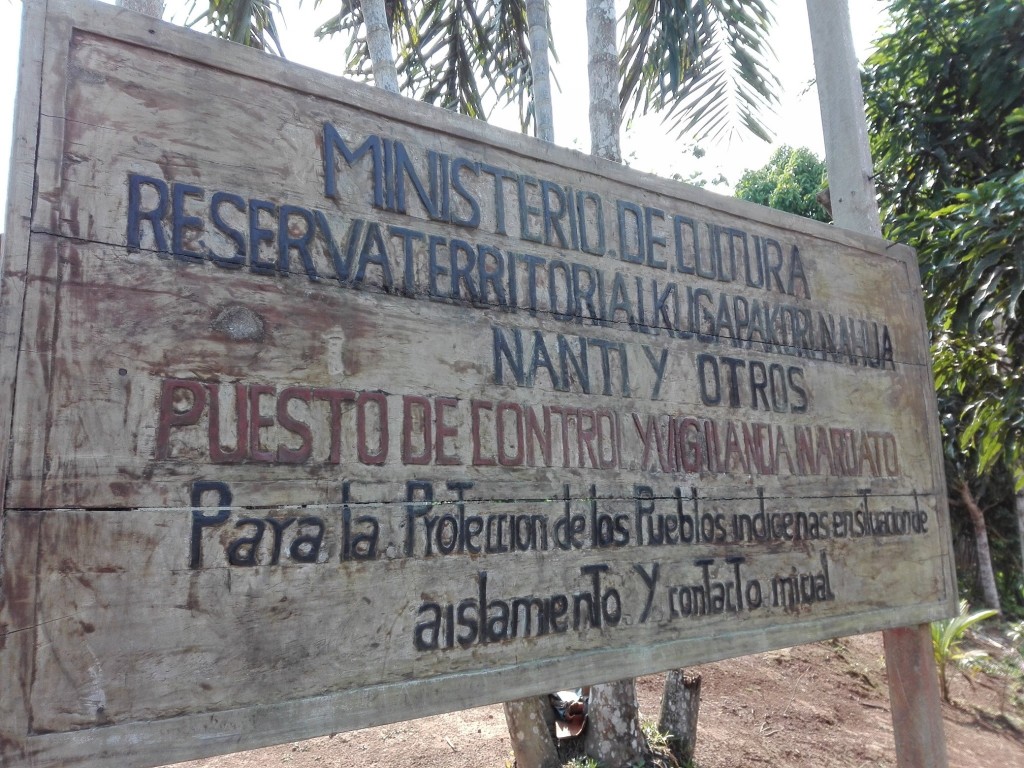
x,y
330,409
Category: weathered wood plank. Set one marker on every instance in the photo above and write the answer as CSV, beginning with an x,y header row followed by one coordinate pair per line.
x,y
301,367
17,219
17,566
279,627
112,367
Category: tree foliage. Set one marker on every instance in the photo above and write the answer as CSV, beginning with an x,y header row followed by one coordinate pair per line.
x,y
974,281
790,181
945,99
945,92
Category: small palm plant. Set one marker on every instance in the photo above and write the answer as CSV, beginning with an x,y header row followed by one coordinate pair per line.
x,y
947,643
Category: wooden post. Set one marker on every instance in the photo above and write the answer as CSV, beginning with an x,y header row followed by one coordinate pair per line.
x,y
914,697
913,683
847,152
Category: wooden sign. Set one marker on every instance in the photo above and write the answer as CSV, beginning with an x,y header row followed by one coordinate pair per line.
x,y
329,409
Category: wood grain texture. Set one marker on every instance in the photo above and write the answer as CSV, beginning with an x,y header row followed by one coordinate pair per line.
x,y
329,409
914,690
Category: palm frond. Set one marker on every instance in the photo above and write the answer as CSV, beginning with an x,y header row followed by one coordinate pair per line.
x,y
464,55
702,64
247,22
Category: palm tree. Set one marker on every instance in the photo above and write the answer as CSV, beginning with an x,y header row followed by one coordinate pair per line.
x,y
378,43
463,55
540,42
702,64
603,74
675,61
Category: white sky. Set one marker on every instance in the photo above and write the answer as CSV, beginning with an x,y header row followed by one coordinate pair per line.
x,y
646,146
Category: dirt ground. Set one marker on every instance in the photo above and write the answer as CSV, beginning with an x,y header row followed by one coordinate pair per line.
x,y
825,704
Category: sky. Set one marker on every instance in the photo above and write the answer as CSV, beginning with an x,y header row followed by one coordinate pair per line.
x,y
646,144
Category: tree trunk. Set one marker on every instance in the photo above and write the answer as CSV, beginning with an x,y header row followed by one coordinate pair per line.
x,y
613,736
149,7
537,19
1018,504
985,573
680,707
603,73
378,41
530,728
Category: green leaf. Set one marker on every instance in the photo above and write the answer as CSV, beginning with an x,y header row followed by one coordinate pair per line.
x,y
702,64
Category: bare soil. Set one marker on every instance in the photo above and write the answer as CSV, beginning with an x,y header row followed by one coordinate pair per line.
x,y
825,704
